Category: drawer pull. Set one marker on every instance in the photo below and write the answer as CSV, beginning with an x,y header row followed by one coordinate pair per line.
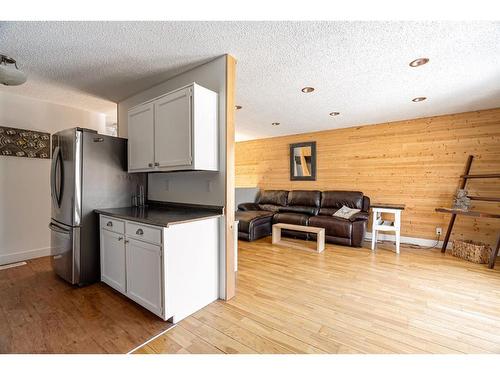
x,y
120,238
157,164
109,224
150,165
127,241
140,232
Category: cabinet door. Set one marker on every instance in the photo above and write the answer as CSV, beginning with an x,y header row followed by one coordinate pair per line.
x,y
141,137
144,274
113,260
173,129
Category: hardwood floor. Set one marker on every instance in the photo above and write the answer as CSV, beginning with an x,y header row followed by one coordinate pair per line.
x,y
343,300
346,300
40,313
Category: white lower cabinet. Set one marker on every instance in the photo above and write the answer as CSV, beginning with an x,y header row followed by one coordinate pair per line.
x,y
169,271
113,259
144,274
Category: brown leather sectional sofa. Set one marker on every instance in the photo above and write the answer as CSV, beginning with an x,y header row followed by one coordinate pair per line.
x,y
305,207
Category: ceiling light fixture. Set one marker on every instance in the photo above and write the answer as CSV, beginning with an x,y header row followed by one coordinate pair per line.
x,y
419,99
275,123
308,89
10,75
334,113
419,62
238,107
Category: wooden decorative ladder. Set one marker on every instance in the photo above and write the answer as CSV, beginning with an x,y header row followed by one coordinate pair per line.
x,y
463,182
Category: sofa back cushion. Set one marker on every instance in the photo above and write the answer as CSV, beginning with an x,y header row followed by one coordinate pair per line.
x,y
272,200
333,200
366,204
303,202
304,198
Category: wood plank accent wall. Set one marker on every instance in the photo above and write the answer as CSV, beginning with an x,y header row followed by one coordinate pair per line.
x,y
416,162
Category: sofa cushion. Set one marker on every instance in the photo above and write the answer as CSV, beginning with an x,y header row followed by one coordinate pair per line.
x,y
332,201
246,217
334,226
248,206
307,210
274,197
269,207
291,218
304,198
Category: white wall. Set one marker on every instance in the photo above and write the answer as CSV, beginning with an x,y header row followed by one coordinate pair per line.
x,y
24,182
190,187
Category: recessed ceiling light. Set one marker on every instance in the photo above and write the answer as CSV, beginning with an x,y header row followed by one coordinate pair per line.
x,y
275,123
334,113
308,89
238,107
418,62
419,99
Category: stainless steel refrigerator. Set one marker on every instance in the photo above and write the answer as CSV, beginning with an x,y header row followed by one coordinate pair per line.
x,y
88,171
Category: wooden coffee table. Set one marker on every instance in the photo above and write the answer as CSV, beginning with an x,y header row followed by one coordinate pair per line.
x,y
320,233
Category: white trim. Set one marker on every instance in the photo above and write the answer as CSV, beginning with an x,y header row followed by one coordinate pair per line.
x,y
12,265
24,255
152,338
407,240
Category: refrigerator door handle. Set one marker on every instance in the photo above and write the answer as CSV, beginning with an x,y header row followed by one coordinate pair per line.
x,y
57,228
56,190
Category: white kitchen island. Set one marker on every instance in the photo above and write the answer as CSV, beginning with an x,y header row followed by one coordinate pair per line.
x,y
164,258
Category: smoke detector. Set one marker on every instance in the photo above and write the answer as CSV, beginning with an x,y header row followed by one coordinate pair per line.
x,y
10,75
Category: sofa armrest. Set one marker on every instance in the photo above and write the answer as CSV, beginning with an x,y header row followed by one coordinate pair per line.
x,y
248,206
362,215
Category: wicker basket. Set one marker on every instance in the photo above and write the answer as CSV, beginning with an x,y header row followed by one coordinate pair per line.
x,y
476,252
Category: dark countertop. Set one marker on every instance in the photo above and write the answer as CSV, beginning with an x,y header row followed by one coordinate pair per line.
x,y
162,215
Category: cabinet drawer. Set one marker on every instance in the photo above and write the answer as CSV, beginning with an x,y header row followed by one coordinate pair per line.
x,y
114,225
144,232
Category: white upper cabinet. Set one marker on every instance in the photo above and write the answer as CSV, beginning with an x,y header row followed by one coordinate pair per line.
x,y
141,137
173,137
176,131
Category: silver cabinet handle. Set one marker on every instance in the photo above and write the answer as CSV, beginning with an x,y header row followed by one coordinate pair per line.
x,y
120,238
150,165
127,241
109,224
140,232
157,164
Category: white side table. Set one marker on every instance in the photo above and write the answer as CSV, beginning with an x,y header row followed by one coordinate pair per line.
x,y
386,225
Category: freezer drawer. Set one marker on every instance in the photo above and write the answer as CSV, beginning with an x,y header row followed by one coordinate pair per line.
x,y
65,251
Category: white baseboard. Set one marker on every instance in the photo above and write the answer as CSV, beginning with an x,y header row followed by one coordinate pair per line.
x,y
424,242
24,255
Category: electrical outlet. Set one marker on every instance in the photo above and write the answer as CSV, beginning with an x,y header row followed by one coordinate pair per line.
x,y
439,231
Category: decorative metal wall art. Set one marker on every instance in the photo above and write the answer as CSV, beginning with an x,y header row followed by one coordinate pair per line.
x,y
24,143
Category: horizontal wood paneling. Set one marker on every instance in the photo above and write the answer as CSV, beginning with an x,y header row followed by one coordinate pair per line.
x,y
416,162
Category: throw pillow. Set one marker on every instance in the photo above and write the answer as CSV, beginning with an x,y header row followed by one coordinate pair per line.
x,y
346,212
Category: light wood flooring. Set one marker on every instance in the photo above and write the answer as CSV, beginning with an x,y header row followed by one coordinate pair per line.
x,y
40,313
346,300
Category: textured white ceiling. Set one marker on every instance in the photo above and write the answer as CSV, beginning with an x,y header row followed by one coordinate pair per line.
x,y
358,68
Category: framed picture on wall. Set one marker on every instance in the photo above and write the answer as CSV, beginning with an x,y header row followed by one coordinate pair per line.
x,y
303,161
